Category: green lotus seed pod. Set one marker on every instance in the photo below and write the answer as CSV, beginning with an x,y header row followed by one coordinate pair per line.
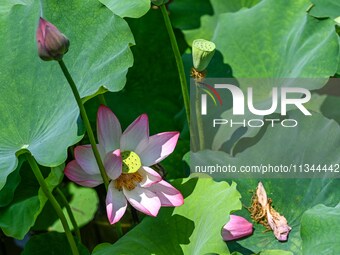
x,y
202,53
159,2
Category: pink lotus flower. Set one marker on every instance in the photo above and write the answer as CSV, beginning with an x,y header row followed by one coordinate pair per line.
x,y
236,228
127,158
52,45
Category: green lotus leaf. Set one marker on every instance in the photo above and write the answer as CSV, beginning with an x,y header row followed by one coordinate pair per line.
x,y
276,252
38,110
325,8
128,8
278,39
320,230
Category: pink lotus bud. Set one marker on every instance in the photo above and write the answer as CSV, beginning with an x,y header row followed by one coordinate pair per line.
x,y
52,45
236,228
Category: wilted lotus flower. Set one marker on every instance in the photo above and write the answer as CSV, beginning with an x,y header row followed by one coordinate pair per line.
x,y
127,158
263,212
236,228
52,45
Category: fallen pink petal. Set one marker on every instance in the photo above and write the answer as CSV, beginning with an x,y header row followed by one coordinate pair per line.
x,y
237,227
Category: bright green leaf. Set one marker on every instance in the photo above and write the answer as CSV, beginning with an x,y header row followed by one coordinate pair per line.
x,y
128,8
320,230
209,212
276,252
278,39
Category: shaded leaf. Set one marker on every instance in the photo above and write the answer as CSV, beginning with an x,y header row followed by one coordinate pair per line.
x,y
186,14
28,202
50,244
290,42
7,192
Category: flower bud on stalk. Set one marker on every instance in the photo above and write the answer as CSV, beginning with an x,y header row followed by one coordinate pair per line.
x,y
52,44
236,228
